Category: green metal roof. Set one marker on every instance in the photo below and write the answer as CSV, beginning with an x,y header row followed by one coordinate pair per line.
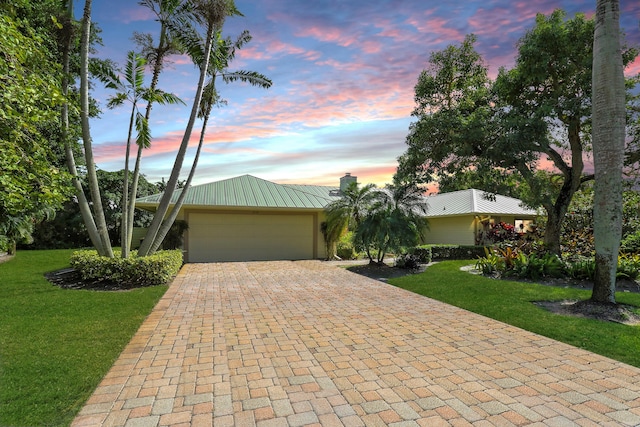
x,y
249,191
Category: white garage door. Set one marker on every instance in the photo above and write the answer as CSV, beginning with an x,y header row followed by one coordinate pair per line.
x,y
249,237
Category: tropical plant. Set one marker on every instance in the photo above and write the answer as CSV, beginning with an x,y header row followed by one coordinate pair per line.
x,y
210,16
132,90
346,213
394,222
221,55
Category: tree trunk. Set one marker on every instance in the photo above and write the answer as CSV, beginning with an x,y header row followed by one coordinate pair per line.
x,y
163,206
166,225
157,68
125,239
105,244
608,100
83,204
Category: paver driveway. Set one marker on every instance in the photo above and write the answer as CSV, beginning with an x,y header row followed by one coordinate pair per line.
x,y
306,343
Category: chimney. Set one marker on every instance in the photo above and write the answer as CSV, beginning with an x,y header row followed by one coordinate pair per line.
x,y
346,180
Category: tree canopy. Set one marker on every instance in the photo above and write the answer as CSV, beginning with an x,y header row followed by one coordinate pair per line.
x,y
31,187
524,134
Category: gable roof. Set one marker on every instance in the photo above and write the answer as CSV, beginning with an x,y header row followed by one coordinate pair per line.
x,y
473,202
248,191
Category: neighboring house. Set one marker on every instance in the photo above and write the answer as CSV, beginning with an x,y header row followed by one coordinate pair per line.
x,y
462,217
247,218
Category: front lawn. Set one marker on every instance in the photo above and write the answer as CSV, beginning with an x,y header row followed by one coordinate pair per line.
x,y
511,302
55,344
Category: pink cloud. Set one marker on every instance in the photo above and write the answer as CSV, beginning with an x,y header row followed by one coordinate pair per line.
x,y
137,14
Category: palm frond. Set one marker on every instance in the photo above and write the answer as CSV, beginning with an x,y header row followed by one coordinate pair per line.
x,y
252,77
144,133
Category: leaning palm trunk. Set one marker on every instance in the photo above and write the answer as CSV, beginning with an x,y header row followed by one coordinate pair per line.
x,y
608,146
83,204
152,238
166,225
104,246
157,68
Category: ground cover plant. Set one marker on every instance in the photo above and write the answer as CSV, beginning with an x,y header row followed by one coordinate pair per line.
x,y
57,344
512,302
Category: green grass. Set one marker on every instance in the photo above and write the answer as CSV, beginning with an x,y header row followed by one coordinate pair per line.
x,y
55,344
511,302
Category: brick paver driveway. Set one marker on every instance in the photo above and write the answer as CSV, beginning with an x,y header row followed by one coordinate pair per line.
x,y
305,343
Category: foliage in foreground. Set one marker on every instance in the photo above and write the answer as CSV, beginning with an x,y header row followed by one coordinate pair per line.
x,y
513,262
511,302
56,344
156,269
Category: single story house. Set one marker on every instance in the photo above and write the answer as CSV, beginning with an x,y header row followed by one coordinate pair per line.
x,y
247,219
462,217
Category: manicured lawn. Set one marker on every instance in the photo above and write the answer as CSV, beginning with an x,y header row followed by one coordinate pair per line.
x,y
511,302
55,344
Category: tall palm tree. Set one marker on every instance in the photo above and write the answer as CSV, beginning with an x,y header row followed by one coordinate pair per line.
x,y
221,56
102,244
210,15
132,90
170,14
66,38
608,100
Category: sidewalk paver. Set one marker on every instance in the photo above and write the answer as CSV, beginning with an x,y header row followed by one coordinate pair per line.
x,y
309,344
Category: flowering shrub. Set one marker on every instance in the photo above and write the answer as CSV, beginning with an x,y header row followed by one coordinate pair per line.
x,y
501,232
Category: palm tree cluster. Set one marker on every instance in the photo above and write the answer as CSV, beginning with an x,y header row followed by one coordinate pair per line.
x,y
190,27
383,220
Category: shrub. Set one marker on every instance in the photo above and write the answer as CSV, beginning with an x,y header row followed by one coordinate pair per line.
x,y
491,263
408,261
631,243
628,266
422,252
580,267
156,269
453,252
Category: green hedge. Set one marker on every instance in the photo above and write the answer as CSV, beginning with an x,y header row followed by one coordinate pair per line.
x,y
156,269
423,253
448,252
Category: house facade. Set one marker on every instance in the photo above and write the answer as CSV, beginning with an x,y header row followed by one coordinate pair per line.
x,y
250,219
463,217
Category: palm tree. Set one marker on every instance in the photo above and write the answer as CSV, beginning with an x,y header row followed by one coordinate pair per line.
x,y
608,117
210,14
133,90
394,222
221,56
102,242
170,14
66,39
347,213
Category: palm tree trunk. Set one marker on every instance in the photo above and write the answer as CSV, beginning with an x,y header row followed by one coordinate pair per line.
x,y
105,244
83,204
125,240
166,225
163,206
608,146
157,68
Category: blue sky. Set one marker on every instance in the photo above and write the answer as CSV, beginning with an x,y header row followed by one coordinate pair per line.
x,y
343,78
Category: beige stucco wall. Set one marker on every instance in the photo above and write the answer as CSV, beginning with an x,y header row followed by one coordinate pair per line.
x,y
458,230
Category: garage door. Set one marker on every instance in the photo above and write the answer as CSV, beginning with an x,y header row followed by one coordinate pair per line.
x,y
249,237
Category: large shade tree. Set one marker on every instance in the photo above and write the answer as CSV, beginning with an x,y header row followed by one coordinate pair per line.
x,y
532,123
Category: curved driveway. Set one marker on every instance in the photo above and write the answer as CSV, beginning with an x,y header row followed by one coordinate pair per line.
x,y
308,344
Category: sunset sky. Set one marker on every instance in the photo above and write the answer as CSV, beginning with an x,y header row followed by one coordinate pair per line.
x,y
343,82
